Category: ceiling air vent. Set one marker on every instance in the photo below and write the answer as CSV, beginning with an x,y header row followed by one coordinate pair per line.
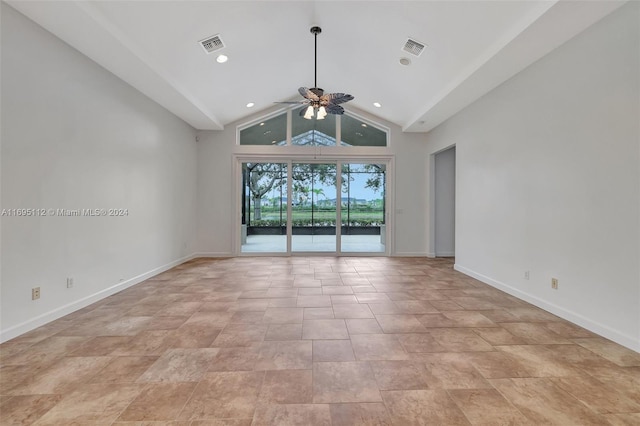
x,y
211,44
414,47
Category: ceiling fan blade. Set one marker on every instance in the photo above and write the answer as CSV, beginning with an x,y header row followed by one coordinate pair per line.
x,y
334,109
306,93
336,98
293,102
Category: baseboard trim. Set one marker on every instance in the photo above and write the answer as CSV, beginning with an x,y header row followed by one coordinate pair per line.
x,y
446,254
600,329
54,314
431,255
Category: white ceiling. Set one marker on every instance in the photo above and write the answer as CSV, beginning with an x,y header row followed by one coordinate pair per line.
x,y
472,46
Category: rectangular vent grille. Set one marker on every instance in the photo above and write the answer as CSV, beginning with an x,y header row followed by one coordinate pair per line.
x,y
211,44
414,47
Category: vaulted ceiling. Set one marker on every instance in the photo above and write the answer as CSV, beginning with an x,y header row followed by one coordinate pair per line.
x,y
471,47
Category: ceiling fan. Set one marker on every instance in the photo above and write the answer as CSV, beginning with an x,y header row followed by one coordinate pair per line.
x,y
319,104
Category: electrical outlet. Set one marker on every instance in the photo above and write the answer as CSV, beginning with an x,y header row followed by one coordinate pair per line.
x,y
526,275
554,283
35,293
69,282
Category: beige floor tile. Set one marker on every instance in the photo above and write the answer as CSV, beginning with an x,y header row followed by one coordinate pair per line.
x,y
623,419
452,371
279,339
46,351
240,335
415,307
284,315
284,355
420,343
352,311
12,375
324,329
541,361
235,359
334,290
292,415
486,407
596,395
400,324
534,333
158,401
93,404
166,322
344,382
246,317
372,298
498,365
363,326
287,387
545,403
385,308
498,336
180,365
145,343
469,319
459,340
612,351
192,336
61,377
423,407
318,313
377,347
626,379
26,409
284,332
400,375
314,301
332,350
310,291
224,395
360,414
343,299
124,369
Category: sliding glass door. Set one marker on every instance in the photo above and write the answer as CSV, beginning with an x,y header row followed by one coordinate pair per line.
x,y
363,208
313,207
303,207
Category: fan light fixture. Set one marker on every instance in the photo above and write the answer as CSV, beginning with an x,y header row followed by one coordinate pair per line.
x,y
319,104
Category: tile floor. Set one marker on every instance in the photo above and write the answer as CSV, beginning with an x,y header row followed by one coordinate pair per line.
x,y
315,341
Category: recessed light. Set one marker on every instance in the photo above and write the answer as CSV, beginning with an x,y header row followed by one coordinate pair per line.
x,y
221,59
377,104
273,141
262,124
363,125
405,61
250,105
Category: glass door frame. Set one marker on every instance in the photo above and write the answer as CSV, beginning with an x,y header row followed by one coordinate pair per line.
x,y
338,160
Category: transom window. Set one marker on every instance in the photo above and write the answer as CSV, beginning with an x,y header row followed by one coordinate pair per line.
x,y
334,130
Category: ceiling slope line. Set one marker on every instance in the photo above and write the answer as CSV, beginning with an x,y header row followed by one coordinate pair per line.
x,y
129,45
564,20
490,53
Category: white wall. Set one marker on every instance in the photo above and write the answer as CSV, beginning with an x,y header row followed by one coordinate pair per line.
x,y
215,186
548,168
445,202
76,137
